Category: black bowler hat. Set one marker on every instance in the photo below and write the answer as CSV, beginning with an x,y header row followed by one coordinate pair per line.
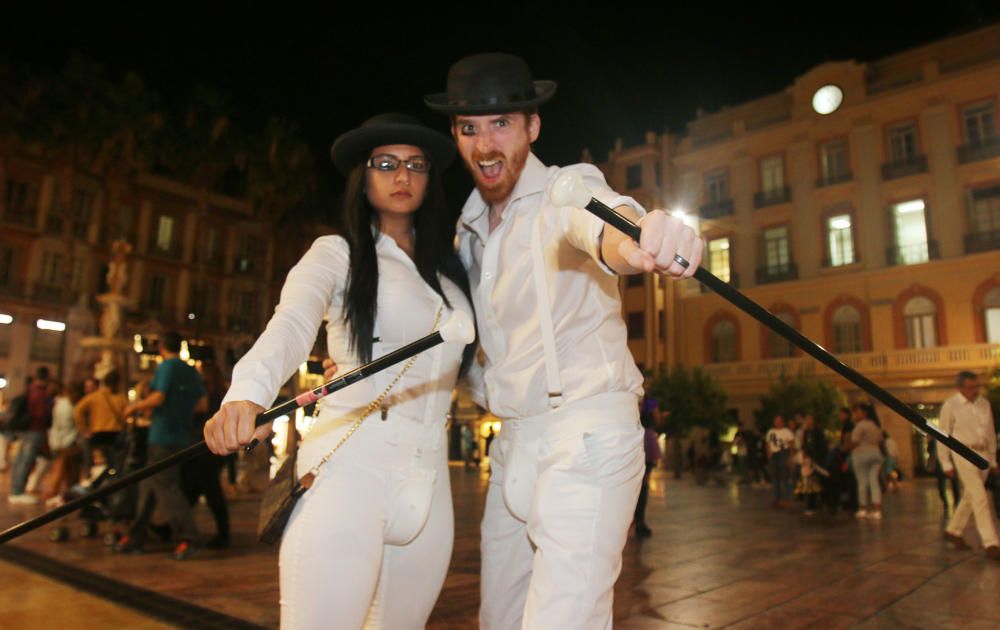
x,y
355,146
490,83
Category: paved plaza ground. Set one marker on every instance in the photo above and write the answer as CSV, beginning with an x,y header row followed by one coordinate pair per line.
x,y
718,557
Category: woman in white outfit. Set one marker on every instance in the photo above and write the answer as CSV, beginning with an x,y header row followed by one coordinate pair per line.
x,y
369,543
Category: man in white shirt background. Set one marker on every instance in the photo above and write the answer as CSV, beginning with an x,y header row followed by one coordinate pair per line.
x,y
780,448
968,418
568,462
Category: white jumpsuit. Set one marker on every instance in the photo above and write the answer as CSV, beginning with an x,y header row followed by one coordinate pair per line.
x,y
369,544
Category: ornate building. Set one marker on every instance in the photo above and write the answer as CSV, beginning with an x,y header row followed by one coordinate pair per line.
x,y
861,205
204,264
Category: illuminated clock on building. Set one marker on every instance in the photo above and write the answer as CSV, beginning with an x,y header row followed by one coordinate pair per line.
x,y
827,99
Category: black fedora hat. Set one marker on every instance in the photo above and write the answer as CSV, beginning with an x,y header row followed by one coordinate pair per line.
x,y
490,83
354,146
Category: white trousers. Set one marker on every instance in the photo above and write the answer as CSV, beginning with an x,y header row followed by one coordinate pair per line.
x,y
974,503
369,544
563,489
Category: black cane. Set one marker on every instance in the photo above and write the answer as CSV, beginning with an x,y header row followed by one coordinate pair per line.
x,y
459,328
570,190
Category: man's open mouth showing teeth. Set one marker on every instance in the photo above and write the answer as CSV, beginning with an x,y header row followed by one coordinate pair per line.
x,y
491,168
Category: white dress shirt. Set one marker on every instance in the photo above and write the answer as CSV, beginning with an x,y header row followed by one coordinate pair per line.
x,y
314,290
970,423
590,336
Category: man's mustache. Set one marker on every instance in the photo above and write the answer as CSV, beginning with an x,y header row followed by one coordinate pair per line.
x,y
485,157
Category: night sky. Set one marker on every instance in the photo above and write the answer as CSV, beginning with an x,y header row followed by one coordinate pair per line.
x,y
621,71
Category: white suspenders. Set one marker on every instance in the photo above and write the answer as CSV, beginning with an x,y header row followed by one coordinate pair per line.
x,y
538,259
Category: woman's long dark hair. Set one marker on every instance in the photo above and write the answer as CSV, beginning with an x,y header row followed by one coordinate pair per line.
x,y
434,253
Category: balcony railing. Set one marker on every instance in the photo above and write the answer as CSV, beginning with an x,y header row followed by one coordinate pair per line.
x,y
13,290
976,151
777,273
912,253
905,167
827,262
26,217
173,251
772,197
715,209
833,179
54,294
945,360
982,241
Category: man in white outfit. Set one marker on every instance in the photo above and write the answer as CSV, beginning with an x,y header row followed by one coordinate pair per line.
x,y
968,418
568,463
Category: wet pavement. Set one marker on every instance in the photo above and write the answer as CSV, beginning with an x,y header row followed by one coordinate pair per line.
x,y
719,557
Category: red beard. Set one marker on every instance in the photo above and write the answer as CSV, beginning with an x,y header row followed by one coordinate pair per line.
x,y
499,190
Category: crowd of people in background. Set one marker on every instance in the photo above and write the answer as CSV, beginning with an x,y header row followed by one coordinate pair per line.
x,y
68,437
850,467
854,466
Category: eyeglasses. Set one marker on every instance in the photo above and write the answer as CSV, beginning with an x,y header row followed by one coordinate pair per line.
x,y
388,163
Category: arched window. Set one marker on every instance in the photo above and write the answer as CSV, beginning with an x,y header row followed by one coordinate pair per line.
x,y
991,315
920,322
724,342
847,330
777,346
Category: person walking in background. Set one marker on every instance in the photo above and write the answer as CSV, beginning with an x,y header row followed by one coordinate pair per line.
x,y
780,449
177,393
943,480
967,417
100,418
648,417
34,438
866,459
468,447
201,476
63,439
813,459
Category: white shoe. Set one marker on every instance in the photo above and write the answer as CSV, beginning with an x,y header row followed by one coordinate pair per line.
x,y
22,499
875,515
861,514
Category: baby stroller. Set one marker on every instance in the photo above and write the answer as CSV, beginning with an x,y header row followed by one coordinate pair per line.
x,y
127,456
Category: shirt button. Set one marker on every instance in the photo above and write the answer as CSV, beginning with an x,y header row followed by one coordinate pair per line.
x,y
488,275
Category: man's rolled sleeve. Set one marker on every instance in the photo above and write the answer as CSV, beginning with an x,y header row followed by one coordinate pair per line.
x,y
582,228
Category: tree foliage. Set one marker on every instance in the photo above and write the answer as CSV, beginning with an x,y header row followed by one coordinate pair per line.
x,y
789,396
81,119
693,398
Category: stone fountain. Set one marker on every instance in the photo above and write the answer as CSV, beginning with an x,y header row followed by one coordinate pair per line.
x,y
109,343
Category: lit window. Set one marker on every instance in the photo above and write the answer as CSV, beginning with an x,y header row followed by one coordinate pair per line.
x,y
165,232
839,240
718,258
911,232
991,313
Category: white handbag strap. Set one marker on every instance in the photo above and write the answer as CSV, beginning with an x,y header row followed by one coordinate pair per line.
x,y
553,381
